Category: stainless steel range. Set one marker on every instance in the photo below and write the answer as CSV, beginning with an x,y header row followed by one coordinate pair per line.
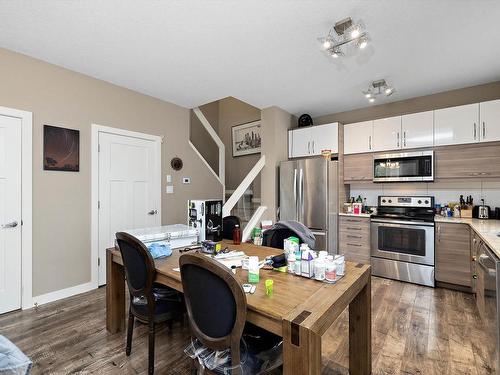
x,y
402,239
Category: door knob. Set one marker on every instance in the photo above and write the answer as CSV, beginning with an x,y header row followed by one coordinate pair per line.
x,y
153,212
10,225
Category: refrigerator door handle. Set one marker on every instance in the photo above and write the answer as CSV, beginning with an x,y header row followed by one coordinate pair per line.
x,y
295,191
301,195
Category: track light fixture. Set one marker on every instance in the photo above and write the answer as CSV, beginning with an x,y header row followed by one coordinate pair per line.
x,y
344,37
377,88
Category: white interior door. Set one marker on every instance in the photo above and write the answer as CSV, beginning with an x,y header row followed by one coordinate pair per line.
x,y
129,188
10,213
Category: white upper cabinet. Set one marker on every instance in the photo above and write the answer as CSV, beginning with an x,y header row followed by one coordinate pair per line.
x,y
311,140
325,137
489,129
300,143
417,130
358,137
387,134
456,125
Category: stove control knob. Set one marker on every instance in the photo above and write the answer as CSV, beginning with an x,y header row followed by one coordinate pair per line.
x,y
390,201
426,201
419,201
383,200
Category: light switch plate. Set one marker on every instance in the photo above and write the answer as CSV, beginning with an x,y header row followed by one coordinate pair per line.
x,y
169,178
186,180
170,189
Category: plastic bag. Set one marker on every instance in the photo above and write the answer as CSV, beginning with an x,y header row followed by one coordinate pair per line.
x,y
12,360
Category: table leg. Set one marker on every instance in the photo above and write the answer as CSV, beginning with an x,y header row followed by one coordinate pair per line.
x,y
301,348
115,295
360,325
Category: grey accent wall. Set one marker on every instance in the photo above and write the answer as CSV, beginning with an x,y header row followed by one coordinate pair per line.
x,y
61,200
200,138
468,95
234,112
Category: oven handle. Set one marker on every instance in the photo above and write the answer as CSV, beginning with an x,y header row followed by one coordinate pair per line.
x,y
403,222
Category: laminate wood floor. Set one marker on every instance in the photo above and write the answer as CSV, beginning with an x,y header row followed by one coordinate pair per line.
x,y
416,330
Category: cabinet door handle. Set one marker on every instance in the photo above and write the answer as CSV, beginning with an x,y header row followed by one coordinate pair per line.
x,y
439,233
351,236
484,130
404,138
309,146
398,138
474,277
353,228
370,142
475,131
313,148
353,244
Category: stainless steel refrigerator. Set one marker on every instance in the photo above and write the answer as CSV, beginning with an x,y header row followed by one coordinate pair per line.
x,y
309,194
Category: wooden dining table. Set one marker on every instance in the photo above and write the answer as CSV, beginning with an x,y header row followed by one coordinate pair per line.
x,y
300,309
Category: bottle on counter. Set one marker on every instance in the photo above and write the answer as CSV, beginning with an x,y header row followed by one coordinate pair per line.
x,y
253,269
291,262
236,235
359,199
330,269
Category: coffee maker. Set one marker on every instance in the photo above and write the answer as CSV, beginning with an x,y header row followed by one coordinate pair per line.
x,y
206,216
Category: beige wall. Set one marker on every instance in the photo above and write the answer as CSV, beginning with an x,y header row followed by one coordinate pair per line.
x,y
445,99
61,200
275,125
234,112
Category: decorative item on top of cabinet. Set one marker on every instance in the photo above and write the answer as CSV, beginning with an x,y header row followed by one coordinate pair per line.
x,y
354,238
358,168
310,141
468,161
453,254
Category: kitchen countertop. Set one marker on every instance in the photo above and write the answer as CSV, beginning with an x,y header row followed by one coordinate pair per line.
x,y
488,230
355,215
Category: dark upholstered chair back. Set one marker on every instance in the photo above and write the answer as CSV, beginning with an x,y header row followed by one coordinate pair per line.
x,y
215,301
138,263
228,224
276,237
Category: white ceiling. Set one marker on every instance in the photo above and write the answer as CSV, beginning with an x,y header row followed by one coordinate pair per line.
x,y
263,52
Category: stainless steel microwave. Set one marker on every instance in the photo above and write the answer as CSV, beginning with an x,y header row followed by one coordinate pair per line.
x,y
404,167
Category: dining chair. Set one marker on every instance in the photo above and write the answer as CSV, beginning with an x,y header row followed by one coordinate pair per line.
x,y
217,308
150,303
228,224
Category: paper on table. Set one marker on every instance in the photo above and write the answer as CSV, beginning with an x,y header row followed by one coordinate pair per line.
x,y
176,269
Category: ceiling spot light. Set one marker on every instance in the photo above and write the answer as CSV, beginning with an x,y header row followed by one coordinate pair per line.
x,y
344,37
377,88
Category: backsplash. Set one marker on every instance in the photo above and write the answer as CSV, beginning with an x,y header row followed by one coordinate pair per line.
x,y
443,192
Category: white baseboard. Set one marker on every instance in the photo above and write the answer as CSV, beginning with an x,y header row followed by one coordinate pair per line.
x,y
63,293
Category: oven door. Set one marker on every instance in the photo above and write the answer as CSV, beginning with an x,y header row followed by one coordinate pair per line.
x,y
407,241
403,167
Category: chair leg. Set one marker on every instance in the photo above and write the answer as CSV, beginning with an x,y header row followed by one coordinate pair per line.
x,y
151,368
130,331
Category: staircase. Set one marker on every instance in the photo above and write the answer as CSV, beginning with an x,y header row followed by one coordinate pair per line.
x,y
246,207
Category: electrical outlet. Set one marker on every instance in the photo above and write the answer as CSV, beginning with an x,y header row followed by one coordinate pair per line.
x,y
169,178
170,189
186,180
